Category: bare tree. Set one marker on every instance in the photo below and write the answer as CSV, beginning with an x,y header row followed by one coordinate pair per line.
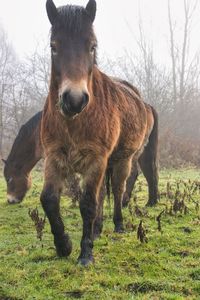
x,y
181,63
173,54
7,61
23,89
37,67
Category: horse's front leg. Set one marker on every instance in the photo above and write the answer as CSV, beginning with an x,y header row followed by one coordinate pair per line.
x,y
88,206
98,223
50,199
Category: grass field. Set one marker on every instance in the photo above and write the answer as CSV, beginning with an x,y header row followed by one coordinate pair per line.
x,y
166,267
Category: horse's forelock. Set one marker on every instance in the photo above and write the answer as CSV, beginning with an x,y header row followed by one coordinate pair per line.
x,y
72,18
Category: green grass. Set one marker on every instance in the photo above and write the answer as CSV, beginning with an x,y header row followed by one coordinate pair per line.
x,y
167,267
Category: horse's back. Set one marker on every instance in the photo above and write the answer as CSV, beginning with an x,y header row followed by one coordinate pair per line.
x,y
151,113
139,120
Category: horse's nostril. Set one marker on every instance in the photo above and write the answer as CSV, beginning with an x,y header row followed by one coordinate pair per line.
x,y
85,99
65,97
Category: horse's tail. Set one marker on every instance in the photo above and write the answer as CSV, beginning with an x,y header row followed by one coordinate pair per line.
x,y
150,153
153,139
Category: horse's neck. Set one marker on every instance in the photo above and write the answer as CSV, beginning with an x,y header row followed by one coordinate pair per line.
x,y
26,155
101,84
37,152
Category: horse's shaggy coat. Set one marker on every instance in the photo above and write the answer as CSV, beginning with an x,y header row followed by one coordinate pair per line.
x,y
90,122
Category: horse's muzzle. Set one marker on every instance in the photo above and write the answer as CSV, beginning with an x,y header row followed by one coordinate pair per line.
x,y
11,199
71,104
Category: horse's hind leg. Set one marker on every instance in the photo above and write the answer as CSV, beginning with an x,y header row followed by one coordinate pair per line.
x,y
130,184
148,162
149,166
50,199
120,172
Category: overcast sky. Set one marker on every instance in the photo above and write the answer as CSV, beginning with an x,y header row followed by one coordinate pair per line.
x,y
116,24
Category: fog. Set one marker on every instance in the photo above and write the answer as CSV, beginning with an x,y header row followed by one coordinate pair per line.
x,y
116,24
152,44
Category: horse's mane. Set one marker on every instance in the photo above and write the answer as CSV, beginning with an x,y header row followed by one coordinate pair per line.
x,y
25,132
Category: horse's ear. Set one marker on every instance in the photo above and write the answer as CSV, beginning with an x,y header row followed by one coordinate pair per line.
x,y
52,12
3,160
91,8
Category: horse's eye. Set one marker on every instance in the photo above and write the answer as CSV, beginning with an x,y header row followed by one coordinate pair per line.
x,y
53,48
9,180
93,48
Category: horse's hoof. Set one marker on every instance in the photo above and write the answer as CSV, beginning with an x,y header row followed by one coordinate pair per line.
x,y
96,235
119,228
85,261
63,246
150,204
125,200
97,232
125,204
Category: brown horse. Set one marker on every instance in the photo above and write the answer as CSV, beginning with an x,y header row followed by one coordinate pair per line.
x,y
25,153
90,122
21,160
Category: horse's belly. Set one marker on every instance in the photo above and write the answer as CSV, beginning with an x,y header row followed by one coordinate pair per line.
x,y
130,146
